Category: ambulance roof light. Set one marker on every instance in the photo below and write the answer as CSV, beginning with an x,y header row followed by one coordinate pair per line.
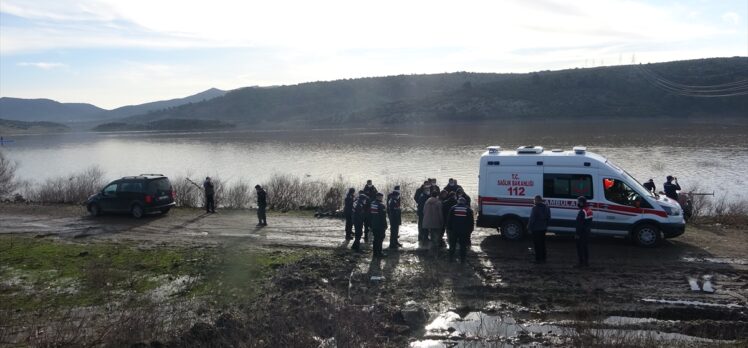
x,y
493,150
580,150
530,149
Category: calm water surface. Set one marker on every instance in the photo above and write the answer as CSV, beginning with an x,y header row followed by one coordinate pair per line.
x,y
703,156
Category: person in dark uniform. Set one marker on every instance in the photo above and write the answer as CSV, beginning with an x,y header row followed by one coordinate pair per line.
x,y
582,235
650,186
540,216
452,186
262,203
348,212
370,191
378,218
421,196
671,187
434,186
210,194
394,212
449,200
460,225
461,193
359,213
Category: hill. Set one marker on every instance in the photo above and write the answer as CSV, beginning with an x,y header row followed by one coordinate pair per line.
x,y
604,92
22,127
45,110
131,110
168,124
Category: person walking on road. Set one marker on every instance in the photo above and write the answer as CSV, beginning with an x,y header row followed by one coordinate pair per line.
x,y
433,220
394,212
671,187
460,225
540,217
210,194
582,235
378,218
348,212
262,203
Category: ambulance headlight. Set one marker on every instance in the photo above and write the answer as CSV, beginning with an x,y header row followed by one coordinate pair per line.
x,y
671,211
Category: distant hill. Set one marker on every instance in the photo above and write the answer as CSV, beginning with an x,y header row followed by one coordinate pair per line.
x,y
18,127
50,110
164,125
604,92
131,110
45,110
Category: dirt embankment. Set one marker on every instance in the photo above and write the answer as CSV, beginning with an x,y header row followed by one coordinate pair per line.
x,y
627,289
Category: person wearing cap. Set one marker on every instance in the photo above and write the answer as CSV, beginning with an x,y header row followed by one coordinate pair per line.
x,y
262,203
540,217
461,194
650,186
348,212
210,193
393,210
433,220
671,189
460,225
378,220
421,196
583,226
359,213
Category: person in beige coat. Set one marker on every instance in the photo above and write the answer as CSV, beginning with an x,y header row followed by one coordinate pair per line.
x,y
433,219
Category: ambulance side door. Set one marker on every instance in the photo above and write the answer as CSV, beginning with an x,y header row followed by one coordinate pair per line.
x,y
561,188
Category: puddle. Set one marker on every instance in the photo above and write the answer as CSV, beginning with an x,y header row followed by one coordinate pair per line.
x,y
721,260
479,329
694,303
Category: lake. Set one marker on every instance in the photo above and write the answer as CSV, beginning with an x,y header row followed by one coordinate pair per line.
x,y
705,156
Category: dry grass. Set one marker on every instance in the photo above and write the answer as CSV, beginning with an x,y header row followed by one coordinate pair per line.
x,y
7,176
75,188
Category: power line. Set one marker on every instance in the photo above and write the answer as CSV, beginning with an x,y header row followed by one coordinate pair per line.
x,y
729,89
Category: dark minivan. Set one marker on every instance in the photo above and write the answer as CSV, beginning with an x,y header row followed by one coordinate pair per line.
x,y
137,195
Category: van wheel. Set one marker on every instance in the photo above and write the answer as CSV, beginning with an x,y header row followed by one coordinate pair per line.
x,y
94,209
512,229
647,235
136,211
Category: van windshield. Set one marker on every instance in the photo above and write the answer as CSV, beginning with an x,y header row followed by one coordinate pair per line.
x,y
637,185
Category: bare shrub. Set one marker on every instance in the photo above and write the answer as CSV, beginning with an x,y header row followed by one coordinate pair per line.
x,y
188,193
7,175
237,196
69,189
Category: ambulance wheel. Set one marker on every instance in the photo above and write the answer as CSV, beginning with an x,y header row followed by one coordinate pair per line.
x,y
512,229
647,235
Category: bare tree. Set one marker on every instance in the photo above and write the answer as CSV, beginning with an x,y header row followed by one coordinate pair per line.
x,y
7,175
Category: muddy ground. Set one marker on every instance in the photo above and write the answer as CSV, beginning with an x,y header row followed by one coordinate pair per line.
x,y
498,297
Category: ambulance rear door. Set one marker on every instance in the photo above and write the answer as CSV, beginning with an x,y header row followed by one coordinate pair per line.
x,y
509,190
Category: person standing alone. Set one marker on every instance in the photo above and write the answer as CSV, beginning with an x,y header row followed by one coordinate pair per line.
x,y
540,216
583,226
261,206
348,212
210,194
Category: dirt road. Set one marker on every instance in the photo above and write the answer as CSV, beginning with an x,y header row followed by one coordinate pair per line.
x,y
648,288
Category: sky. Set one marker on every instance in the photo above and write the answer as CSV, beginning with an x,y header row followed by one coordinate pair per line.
x,y
112,53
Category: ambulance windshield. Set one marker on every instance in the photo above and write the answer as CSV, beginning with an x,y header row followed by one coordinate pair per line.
x,y
637,185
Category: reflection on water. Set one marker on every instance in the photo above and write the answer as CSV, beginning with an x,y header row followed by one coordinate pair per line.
x,y
703,156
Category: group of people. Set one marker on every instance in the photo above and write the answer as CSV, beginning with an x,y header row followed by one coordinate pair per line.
x,y
540,217
439,212
670,187
210,201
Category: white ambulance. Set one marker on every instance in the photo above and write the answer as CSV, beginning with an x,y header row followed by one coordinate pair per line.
x,y
509,180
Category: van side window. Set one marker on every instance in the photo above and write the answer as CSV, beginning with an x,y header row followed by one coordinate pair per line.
x,y
619,192
131,187
569,186
110,190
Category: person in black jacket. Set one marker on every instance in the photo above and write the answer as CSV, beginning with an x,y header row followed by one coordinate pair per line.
x,y
452,186
582,235
394,212
210,192
378,213
540,217
460,225
262,203
671,189
650,186
348,212
359,213
461,193
449,200
421,196
371,192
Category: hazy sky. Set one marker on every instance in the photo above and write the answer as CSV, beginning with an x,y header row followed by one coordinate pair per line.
x,y
117,52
